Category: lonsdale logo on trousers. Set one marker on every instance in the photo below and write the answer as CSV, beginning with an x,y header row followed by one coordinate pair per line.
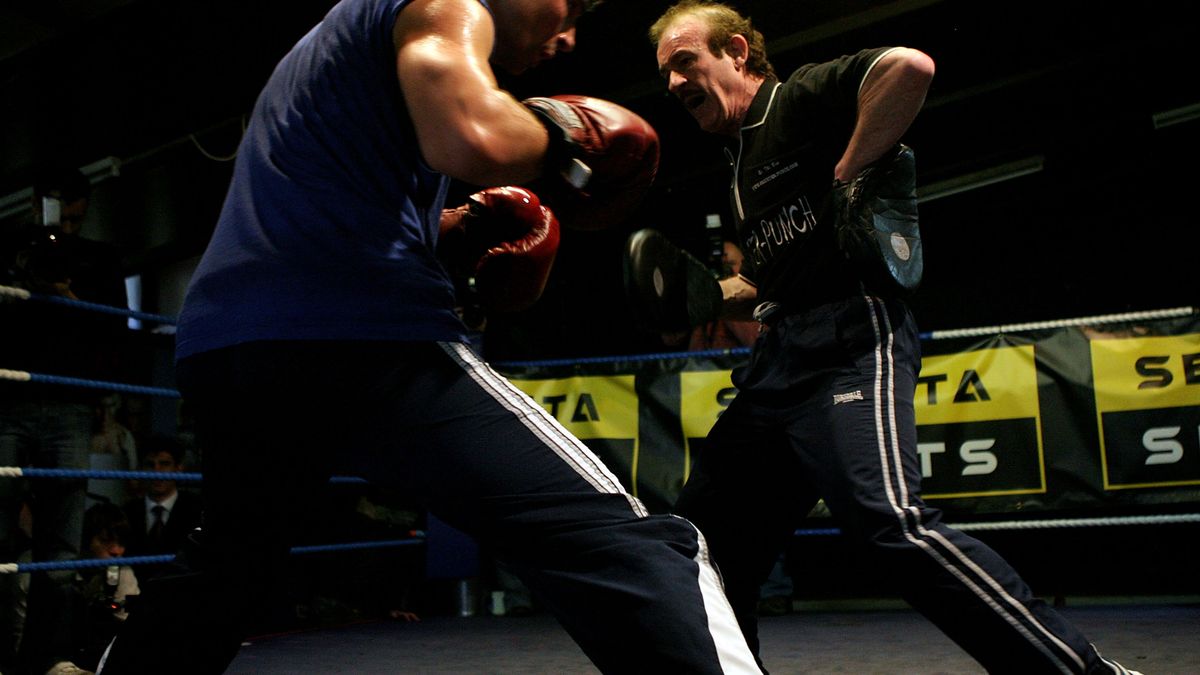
x,y
855,395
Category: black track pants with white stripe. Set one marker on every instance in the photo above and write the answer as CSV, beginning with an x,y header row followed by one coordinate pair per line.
x,y
276,420
826,411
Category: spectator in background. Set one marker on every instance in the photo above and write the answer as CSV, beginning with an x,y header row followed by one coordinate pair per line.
x,y
100,593
113,449
137,415
50,426
161,520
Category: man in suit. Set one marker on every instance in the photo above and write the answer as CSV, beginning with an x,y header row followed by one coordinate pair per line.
x,y
161,519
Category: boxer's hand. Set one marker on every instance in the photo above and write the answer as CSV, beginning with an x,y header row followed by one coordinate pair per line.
x,y
601,160
499,248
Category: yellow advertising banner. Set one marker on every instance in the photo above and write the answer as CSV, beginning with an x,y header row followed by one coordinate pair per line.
x,y
1148,410
588,406
1145,373
703,396
979,425
983,385
601,411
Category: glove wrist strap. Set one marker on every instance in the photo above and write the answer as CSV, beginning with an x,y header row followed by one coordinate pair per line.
x,y
561,156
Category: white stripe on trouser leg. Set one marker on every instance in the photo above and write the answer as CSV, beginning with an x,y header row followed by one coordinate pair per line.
x,y
935,535
732,651
535,418
885,356
104,656
1112,665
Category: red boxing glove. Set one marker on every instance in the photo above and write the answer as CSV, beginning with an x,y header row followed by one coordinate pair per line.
x,y
499,248
601,160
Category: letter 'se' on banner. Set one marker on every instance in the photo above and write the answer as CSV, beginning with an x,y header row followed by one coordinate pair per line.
x,y
1148,408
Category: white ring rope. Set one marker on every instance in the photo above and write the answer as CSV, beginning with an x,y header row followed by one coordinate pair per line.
x,y
1047,524
1081,522
14,292
15,375
1062,323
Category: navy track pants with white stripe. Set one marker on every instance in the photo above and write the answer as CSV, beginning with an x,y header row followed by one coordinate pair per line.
x,y
276,420
825,410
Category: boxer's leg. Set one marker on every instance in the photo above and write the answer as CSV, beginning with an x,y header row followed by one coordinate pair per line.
x,y
636,591
270,420
746,494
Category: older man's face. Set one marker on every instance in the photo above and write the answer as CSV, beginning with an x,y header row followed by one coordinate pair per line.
x,y
708,85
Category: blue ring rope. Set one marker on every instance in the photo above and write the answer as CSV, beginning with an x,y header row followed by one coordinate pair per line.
x,y
87,563
103,309
132,561
182,476
818,532
356,546
627,358
99,384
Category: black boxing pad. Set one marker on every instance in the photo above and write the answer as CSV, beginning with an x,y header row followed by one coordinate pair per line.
x,y
877,225
668,288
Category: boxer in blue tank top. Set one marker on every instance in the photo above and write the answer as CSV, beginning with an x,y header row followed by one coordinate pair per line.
x,y
319,337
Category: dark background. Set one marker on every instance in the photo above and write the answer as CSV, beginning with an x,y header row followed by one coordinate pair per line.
x,y
1106,225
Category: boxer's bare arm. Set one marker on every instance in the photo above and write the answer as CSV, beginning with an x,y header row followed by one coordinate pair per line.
x,y
468,128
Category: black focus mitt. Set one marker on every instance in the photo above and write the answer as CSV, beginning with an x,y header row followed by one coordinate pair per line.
x,y
876,223
668,288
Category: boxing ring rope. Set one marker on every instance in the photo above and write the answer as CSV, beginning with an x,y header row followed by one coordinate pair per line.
x,y
40,378
1061,323
415,537
14,293
181,476
1045,524
418,537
